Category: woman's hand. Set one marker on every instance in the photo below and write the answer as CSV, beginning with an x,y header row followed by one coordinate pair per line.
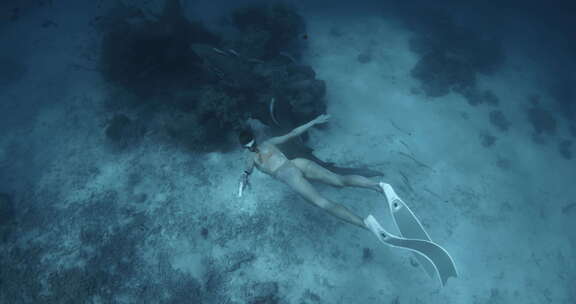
x,y
321,119
243,183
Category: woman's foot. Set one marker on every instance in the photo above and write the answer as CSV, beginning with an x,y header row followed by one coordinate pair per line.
x,y
382,187
375,227
394,200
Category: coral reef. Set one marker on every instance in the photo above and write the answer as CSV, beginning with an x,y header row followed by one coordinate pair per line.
x,y
151,57
564,94
490,98
565,149
6,209
503,163
123,131
6,215
364,57
12,71
476,97
542,120
487,140
451,55
440,74
267,30
200,87
500,121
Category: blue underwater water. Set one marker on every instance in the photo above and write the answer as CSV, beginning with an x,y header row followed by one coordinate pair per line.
x,y
121,159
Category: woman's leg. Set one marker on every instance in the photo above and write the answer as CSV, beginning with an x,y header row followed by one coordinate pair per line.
x,y
313,171
294,178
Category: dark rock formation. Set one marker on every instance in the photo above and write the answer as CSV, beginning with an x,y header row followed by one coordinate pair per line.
x,y
6,209
268,29
298,95
534,100
568,208
204,232
336,32
451,55
367,254
439,74
310,297
500,121
199,88
206,115
151,57
490,98
117,126
364,57
226,67
476,97
11,71
503,163
564,94
542,120
487,140
565,149
122,131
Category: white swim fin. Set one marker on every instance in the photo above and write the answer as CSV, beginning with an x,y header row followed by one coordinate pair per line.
x,y
437,256
411,229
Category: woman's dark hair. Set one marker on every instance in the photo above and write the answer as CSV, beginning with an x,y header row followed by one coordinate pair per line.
x,y
245,136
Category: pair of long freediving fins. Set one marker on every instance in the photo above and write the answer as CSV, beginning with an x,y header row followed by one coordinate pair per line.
x,y
434,259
